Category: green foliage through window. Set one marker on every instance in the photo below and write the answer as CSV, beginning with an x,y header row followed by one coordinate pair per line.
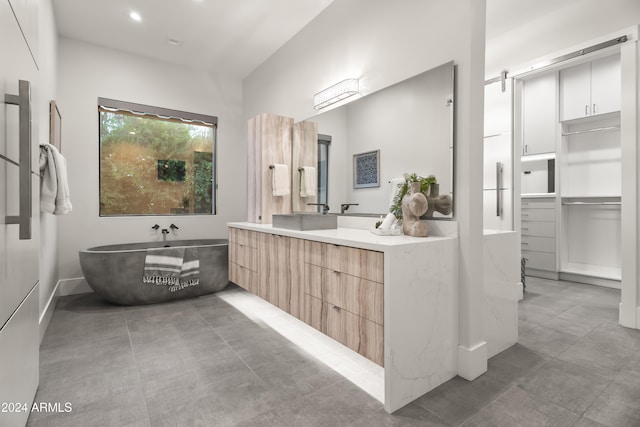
x,y
155,165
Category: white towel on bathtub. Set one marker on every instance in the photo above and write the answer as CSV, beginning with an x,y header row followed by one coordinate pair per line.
x,y
176,268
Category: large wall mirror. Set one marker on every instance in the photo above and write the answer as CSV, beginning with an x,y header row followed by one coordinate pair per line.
x,y
409,125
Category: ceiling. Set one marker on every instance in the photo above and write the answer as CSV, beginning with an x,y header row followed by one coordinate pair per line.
x,y
220,36
228,37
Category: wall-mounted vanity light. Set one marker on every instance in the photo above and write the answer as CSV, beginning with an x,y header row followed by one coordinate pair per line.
x,y
335,93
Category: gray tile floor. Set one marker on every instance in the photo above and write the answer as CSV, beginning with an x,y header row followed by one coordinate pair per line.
x,y
203,363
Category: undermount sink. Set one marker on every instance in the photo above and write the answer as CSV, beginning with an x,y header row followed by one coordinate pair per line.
x,y
305,221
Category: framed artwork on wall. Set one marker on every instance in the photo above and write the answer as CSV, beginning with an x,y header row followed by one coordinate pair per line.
x,y
55,126
366,169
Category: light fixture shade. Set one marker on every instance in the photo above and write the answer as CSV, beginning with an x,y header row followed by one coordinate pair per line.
x,y
335,93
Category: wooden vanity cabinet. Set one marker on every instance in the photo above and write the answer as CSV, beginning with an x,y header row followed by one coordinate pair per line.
x,y
336,289
243,259
344,296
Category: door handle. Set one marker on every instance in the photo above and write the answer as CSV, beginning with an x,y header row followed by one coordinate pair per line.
x,y
499,171
23,101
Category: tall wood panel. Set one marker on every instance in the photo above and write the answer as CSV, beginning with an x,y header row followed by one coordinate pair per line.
x,y
269,143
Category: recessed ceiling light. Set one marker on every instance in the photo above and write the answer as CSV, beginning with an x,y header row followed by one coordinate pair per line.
x,y
135,16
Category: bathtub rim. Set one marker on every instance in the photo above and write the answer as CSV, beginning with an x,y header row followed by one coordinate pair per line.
x,y
121,247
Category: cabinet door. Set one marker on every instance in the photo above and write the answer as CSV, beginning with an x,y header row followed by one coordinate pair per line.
x,y
539,114
575,92
605,85
18,258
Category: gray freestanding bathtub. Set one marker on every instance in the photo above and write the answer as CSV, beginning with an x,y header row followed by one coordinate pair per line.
x,y
115,271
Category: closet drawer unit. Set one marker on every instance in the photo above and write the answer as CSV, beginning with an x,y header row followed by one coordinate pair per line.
x,y
538,204
539,244
548,215
537,228
540,260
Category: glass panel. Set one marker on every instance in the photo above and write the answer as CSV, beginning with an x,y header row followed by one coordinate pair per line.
x,y
155,166
323,172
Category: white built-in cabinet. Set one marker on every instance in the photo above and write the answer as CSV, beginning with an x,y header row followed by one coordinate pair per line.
x,y
539,121
571,210
19,265
590,89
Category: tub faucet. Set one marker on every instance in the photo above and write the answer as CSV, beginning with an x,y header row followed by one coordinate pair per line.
x,y
164,234
325,207
345,206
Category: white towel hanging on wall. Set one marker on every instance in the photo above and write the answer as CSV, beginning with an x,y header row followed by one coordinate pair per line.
x,y
54,184
308,181
281,184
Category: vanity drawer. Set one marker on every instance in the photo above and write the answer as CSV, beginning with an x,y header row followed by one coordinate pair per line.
x,y
536,228
243,237
548,215
357,333
243,277
356,262
244,255
539,244
540,260
359,296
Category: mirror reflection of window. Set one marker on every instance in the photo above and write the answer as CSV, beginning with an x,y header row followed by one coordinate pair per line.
x,y
155,161
324,141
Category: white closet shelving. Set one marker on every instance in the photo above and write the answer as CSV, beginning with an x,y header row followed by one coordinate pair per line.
x,y
590,190
571,209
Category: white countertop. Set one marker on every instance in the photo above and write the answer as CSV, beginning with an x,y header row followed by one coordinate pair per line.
x,y
358,238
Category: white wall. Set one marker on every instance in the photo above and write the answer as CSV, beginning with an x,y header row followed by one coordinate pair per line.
x,y
382,43
47,63
87,72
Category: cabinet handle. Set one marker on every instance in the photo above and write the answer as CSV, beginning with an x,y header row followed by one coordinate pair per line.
x,y
23,101
526,229
336,307
586,110
594,109
525,214
524,243
499,171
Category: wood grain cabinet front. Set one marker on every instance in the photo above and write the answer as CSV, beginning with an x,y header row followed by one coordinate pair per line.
x,y
336,289
243,259
344,296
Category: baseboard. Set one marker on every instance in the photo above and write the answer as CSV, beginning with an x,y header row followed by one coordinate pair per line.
x,y
73,286
589,280
47,313
472,362
543,274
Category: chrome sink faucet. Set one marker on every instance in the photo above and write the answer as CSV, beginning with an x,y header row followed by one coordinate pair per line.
x,y
325,207
345,206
